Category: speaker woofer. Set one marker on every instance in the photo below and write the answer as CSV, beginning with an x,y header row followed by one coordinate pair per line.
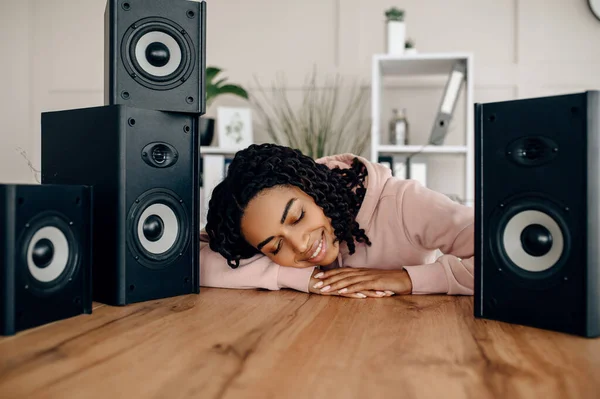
x,y
158,228
530,237
158,53
51,252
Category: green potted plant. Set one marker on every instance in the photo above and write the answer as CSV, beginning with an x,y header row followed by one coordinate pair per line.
x,y
214,88
409,47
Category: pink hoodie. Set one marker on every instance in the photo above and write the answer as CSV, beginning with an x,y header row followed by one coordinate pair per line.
x,y
405,222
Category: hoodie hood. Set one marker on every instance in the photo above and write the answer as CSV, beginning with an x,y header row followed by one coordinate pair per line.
x,y
377,176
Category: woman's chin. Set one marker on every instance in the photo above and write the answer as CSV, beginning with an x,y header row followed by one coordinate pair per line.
x,y
331,256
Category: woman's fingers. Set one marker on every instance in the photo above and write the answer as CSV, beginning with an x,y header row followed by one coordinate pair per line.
x,y
332,282
350,283
337,285
340,270
360,286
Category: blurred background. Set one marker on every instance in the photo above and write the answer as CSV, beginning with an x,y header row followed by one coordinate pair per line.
x,y
53,59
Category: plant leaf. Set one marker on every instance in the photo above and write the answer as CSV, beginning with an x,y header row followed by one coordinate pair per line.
x,y
211,73
232,89
219,82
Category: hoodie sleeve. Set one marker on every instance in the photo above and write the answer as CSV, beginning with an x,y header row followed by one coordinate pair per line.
x,y
253,273
433,221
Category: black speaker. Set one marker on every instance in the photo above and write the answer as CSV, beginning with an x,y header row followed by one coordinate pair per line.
x,y
154,54
143,165
45,262
537,212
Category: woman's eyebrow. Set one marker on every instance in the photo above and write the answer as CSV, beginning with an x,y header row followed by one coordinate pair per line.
x,y
283,217
286,210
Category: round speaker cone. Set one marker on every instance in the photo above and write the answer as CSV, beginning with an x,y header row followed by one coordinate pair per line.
x,y
168,232
165,52
43,252
47,254
153,228
533,240
536,240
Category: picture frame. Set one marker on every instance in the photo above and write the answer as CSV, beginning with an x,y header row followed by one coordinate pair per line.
x,y
234,127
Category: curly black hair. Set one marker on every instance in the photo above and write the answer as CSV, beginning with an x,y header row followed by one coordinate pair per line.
x,y
339,192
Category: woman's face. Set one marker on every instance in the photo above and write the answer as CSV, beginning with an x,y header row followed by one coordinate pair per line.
x,y
287,225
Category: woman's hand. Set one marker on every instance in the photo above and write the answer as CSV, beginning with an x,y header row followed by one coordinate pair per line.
x,y
349,282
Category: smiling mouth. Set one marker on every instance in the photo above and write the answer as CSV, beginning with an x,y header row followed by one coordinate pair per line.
x,y
320,250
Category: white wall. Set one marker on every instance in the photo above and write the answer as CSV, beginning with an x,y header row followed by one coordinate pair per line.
x,y
15,88
522,48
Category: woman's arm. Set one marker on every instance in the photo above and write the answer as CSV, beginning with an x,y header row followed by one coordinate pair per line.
x,y
433,221
256,272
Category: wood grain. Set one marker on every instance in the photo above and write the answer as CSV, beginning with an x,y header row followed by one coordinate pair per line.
x,y
235,343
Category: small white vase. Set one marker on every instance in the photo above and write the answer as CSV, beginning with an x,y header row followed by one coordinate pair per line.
x,y
396,35
410,51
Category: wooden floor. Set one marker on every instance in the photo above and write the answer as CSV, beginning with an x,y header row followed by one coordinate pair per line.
x,y
260,344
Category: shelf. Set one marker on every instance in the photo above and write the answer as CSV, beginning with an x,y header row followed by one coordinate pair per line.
x,y
423,70
420,149
419,64
207,150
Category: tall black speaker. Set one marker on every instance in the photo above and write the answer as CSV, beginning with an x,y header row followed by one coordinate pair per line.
x,y
154,54
143,165
537,212
45,262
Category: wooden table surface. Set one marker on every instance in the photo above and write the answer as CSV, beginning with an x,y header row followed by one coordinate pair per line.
x,y
260,344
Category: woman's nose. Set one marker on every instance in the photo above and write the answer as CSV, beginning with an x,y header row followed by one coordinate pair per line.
x,y
300,242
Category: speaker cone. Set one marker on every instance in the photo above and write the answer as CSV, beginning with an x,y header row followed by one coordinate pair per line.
x,y
50,251
158,53
533,240
529,236
158,228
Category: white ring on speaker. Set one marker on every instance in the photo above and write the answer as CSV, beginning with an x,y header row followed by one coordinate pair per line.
x,y
170,229
60,257
514,249
167,40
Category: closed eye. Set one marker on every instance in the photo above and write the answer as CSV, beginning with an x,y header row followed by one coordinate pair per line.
x,y
300,218
277,249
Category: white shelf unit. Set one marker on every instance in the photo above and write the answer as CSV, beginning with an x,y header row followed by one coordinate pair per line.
x,y
420,65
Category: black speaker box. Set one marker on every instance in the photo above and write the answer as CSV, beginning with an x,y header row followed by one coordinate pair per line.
x,y
154,54
45,261
143,165
537,212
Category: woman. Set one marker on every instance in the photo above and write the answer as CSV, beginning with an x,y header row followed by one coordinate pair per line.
x,y
340,225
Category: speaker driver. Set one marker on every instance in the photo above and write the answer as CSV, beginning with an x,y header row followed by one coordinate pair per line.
x,y
158,228
50,251
158,53
530,237
533,241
